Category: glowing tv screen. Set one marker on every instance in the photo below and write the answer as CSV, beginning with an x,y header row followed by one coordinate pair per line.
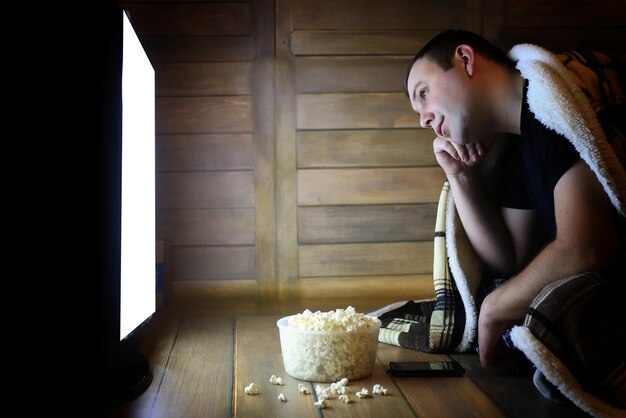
x,y
137,262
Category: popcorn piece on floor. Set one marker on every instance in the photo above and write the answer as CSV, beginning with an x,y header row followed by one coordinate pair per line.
x,y
345,398
303,389
379,390
321,404
276,380
281,397
363,393
251,389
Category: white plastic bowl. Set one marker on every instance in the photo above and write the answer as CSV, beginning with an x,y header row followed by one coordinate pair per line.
x,y
328,356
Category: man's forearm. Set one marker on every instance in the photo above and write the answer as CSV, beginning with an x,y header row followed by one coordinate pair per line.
x,y
557,260
482,222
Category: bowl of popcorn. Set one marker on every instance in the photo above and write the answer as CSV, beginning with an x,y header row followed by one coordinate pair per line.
x,y
327,346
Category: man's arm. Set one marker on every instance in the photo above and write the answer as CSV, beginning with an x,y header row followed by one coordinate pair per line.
x,y
587,239
503,239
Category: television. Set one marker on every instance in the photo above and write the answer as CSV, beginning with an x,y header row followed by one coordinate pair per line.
x,y
127,212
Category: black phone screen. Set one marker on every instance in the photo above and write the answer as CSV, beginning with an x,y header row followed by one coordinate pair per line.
x,y
426,368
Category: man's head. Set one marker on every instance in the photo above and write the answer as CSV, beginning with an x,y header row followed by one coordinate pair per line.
x,y
446,84
441,49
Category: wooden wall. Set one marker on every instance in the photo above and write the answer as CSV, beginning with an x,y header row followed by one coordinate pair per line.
x,y
290,165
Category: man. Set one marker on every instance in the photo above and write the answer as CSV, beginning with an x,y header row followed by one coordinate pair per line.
x,y
551,218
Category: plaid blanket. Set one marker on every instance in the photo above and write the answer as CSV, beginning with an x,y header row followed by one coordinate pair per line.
x,y
431,325
575,330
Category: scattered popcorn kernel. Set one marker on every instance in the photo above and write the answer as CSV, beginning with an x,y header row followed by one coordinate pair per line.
x,y
363,393
379,390
321,404
281,397
251,389
345,398
303,389
276,380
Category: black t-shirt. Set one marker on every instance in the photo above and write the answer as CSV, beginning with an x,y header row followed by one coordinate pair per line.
x,y
536,161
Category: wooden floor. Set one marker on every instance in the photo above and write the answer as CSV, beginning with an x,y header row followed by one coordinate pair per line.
x,y
201,362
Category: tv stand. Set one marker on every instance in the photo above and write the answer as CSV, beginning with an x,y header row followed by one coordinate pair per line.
x,y
128,375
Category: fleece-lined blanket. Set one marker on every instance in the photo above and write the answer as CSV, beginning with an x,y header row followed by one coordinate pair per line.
x,y
575,330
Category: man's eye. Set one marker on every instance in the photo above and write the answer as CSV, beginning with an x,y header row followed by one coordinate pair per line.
x,y
423,93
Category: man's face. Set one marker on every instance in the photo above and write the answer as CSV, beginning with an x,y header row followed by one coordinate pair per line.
x,y
445,102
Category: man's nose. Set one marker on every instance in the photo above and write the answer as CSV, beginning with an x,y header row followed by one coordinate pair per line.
x,y
426,119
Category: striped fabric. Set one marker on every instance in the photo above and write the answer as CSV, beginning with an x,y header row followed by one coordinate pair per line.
x,y
430,326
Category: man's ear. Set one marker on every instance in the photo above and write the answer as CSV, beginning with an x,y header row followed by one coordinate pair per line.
x,y
465,54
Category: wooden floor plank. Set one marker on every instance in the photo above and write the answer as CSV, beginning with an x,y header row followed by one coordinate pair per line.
x,y
198,374
516,395
438,396
257,358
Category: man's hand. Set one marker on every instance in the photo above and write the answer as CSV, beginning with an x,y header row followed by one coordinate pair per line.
x,y
495,317
455,158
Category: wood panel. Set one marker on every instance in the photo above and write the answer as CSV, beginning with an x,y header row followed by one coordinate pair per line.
x,y
359,43
199,354
285,104
351,74
353,111
227,189
340,224
213,263
265,149
331,260
368,15
200,79
189,294
206,226
162,49
398,287
204,152
366,148
369,186
203,114
184,19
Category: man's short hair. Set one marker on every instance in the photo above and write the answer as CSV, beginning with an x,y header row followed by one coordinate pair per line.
x,y
442,47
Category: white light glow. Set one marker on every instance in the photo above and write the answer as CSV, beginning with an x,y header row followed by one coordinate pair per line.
x,y
138,260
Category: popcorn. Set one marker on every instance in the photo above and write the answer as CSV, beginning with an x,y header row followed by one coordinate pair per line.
x,y
303,389
339,320
337,389
345,398
276,380
363,393
379,390
251,389
321,404
343,343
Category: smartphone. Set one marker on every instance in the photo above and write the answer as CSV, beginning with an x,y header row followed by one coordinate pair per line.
x,y
426,368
